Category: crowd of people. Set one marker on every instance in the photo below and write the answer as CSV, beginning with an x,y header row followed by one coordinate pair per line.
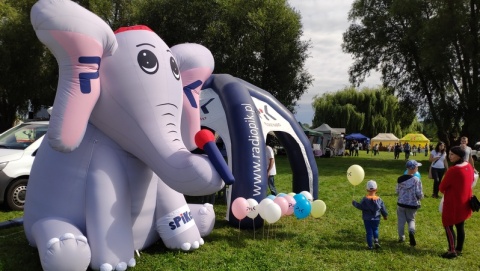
x,y
352,148
454,182
398,148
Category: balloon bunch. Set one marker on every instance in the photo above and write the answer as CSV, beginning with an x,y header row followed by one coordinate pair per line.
x,y
272,208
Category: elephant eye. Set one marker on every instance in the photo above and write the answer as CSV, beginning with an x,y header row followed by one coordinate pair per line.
x,y
148,61
174,66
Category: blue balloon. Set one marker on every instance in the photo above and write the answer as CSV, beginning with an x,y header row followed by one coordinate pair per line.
x,y
302,208
415,174
272,197
281,195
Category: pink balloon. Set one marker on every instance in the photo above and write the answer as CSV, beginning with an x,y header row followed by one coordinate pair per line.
x,y
291,204
283,203
240,208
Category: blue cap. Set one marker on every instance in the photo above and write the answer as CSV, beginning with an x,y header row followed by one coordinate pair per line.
x,y
412,164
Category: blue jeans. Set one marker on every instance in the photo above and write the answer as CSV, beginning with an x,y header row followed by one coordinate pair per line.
x,y
371,228
271,184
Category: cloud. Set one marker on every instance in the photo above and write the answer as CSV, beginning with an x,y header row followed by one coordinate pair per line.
x,y
324,23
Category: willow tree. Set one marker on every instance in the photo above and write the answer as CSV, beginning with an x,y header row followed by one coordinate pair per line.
x,y
370,111
428,51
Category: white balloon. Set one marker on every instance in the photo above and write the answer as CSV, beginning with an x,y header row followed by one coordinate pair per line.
x,y
272,213
262,207
253,208
355,174
307,195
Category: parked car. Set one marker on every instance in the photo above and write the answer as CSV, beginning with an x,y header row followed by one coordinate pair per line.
x,y
18,147
476,151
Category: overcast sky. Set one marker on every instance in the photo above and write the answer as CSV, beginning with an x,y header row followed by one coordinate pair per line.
x,y
324,23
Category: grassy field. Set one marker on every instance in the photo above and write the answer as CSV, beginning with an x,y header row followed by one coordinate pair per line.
x,y
333,242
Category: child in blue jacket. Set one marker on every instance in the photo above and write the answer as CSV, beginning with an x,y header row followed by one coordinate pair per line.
x,y
372,207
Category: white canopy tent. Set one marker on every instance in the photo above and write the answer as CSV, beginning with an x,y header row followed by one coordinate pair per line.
x,y
384,139
331,138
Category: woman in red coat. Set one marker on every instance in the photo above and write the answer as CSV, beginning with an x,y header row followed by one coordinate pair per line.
x,y
456,187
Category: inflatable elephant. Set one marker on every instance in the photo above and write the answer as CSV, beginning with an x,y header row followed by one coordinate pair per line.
x,y
110,177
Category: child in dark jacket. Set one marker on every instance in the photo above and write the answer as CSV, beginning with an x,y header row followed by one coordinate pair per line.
x,y
372,207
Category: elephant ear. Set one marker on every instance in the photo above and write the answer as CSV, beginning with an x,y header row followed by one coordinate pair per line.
x,y
196,64
78,39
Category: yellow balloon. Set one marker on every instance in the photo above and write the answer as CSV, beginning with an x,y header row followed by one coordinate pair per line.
x,y
355,174
318,208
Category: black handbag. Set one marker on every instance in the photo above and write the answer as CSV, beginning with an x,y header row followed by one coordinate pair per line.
x,y
474,203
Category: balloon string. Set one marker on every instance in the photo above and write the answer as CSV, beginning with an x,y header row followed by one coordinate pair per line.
x,y
239,222
353,192
275,227
287,225
268,232
264,225
253,221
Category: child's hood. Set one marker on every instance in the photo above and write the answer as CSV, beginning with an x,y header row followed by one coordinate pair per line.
x,y
406,181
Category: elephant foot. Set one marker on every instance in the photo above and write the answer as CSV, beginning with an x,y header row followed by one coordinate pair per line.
x,y
195,245
178,229
188,240
204,216
122,266
69,252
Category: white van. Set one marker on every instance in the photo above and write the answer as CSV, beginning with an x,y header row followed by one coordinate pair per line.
x,y
18,147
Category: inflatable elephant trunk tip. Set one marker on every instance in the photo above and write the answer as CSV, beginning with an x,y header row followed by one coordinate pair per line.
x,y
205,140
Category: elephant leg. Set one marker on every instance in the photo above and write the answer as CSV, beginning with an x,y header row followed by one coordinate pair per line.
x,y
204,216
174,221
61,245
108,211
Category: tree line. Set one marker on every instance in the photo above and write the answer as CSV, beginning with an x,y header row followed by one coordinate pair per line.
x,y
428,54
426,50
255,40
369,111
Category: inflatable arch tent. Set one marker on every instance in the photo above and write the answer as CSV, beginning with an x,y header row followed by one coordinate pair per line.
x,y
243,114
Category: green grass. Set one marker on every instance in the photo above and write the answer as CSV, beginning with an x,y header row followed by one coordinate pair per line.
x,y
333,242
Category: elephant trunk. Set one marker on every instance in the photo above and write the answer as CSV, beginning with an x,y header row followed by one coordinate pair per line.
x,y
156,141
